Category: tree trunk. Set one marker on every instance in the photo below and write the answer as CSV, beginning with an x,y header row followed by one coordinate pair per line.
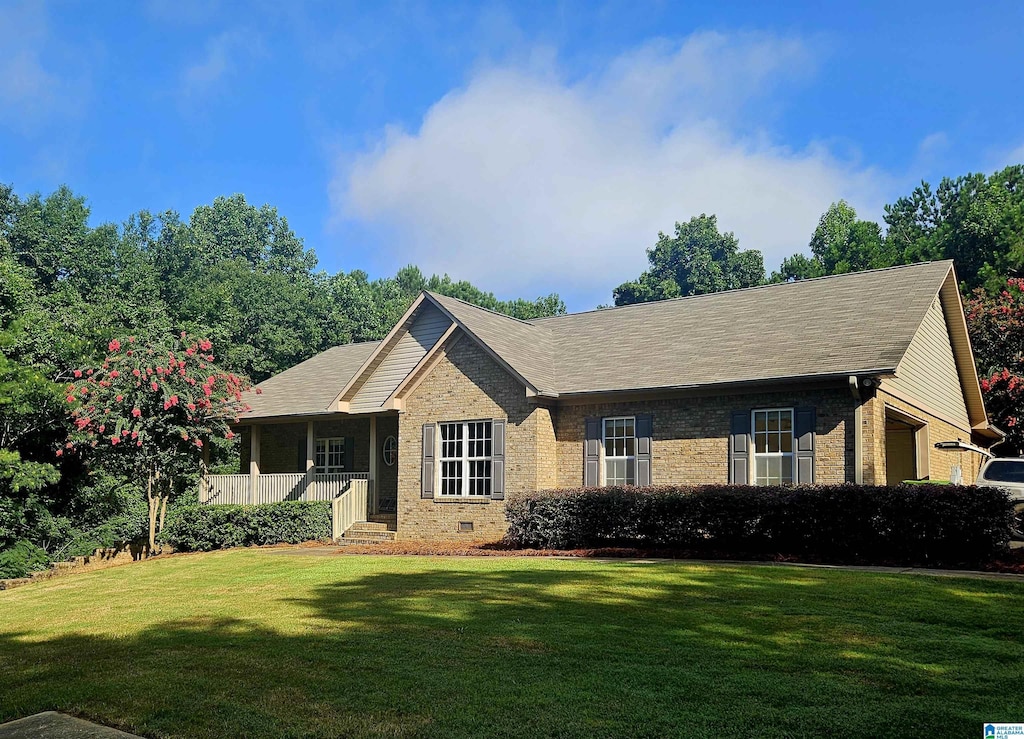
x,y
154,504
163,512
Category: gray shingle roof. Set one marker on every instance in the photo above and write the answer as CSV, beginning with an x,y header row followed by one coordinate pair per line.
x,y
832,325
842,324
525,347
308,388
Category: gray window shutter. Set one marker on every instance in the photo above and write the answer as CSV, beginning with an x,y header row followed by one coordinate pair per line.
x,y
739,448
804,423
427,472
498,459
592,453
348,455
644,429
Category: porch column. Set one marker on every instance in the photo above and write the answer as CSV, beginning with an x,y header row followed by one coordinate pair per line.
x,y
254,461
310,461
371,487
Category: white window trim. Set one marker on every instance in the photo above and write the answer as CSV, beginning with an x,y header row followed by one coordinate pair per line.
x,y
390,445
327,468
754,454
465,459
604,441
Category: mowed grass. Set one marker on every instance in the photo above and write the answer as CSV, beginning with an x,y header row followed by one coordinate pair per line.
x,y
251,643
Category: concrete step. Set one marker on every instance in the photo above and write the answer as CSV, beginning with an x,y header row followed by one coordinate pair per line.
x,y
346,541
371,526
356,533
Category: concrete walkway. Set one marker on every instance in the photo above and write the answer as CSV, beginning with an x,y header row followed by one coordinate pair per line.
x,y
53,725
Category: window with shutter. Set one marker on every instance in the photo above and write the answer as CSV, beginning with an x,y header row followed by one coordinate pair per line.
x,y
467,459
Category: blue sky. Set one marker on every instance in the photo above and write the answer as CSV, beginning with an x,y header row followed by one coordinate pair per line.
x,y
528,147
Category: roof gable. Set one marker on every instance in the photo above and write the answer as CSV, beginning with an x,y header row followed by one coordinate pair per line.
x,y
398,354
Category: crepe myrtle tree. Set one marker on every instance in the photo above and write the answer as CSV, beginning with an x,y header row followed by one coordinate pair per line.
x,y
996,324
151,411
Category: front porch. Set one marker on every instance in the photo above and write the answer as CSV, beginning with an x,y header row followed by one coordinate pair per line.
x,y
313,459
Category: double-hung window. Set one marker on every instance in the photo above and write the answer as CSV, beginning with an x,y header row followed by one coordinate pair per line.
x,y
330,456
773,447
466,458
620,451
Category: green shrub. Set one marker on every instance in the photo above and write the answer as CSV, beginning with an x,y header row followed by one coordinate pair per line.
x,y
22,559
933,525
201,528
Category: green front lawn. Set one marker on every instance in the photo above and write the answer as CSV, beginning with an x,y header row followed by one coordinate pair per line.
x,y
258,644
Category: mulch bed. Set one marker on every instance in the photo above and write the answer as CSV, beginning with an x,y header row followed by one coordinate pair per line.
x,y
1012,562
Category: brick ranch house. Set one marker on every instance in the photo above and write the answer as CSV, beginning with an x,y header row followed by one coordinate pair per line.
x,y
849,378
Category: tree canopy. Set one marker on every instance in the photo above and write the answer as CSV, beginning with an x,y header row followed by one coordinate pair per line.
x,y
697,259
233,273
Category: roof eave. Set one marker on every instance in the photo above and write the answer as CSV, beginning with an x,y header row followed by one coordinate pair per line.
x,y
753,382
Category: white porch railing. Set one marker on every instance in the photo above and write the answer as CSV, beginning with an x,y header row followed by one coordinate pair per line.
x,y
349,507
274,488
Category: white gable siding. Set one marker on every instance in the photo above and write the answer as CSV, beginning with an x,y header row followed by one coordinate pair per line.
x,y
928,372
427,327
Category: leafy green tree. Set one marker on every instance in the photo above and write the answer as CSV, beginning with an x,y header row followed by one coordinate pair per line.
x,y
798,267
698,259
842,243
976,221
151,411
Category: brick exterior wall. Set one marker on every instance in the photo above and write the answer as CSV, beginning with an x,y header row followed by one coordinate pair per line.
x,y
544,443
939,462
691,435
465,385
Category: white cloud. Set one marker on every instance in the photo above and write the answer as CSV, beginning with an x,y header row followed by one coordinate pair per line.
x,y
526,183
222,55
30,91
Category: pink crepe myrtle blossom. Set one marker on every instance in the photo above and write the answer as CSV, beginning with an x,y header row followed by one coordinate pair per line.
x,y
114,345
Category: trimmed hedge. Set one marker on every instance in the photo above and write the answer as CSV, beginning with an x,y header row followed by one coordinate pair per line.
x,y
932,525
201,528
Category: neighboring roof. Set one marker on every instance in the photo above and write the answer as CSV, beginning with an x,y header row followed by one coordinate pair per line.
x,y
852,324
310,387
843,324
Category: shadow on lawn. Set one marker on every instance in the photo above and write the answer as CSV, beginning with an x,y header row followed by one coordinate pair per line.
x,y
625,650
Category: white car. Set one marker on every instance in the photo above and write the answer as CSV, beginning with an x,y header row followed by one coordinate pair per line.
x,y
1007,473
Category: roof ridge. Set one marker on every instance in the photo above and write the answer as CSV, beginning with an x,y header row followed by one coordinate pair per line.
x,y
435,295
743,289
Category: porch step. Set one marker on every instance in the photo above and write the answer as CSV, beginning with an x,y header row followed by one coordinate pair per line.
x,y
369,532
371,526
391,519
356,532
346,541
